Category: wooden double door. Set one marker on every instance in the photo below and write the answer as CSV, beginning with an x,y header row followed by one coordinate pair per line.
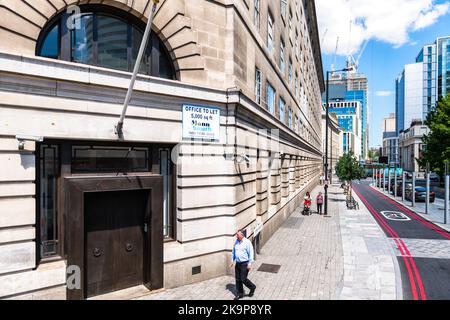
x,y
115,233
115,228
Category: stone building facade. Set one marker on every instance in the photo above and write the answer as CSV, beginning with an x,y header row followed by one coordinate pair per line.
x,y
180,199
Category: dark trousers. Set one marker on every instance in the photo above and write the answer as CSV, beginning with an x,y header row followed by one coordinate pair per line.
x,y
241,273
319,208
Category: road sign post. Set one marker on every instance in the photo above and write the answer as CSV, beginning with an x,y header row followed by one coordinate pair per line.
x,y
389,179
395,182
413,191
427,200
403,185
447,194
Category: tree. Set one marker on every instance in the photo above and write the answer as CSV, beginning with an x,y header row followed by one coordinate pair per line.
x,y
437,142
348,169
373,154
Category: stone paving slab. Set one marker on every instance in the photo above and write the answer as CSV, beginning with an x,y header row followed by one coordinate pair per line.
x,y
343,256
309,250
424,248
371,271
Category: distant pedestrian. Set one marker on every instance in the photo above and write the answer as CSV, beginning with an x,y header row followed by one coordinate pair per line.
x,y
319,201
322,179
242,258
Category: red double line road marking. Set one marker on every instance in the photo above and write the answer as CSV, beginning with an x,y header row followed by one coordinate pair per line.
x,y
415,216
403,250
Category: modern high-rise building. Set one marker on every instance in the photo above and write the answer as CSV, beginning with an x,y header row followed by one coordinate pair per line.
x,y
349,117
351,87
436,72
409,96
223,132
390,140
418,88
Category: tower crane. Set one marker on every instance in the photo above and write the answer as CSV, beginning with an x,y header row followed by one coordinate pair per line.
x,y
335,54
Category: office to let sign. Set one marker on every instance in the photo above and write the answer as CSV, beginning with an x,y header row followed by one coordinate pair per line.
x,y
201,122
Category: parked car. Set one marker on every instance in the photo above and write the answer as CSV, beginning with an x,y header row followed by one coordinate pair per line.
x,y
434,177
420,194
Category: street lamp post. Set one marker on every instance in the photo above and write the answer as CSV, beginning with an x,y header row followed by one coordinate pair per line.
x,y
325,207
395,181
327,126
447,193
389,179
427,177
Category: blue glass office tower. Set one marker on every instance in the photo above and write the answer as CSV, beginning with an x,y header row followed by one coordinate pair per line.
x,y
436,72
348,87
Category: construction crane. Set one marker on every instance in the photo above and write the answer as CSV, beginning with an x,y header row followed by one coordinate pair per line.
x,y
353,64
323,37
335,54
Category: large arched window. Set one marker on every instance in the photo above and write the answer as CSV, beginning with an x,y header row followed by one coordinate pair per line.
x,y
104,37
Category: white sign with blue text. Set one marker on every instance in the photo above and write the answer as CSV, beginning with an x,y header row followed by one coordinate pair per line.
x,y
201,122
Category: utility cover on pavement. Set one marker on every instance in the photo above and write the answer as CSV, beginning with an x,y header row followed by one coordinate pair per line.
x,y
394,215
271,268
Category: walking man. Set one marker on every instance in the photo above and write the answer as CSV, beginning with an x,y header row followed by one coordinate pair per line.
x,y
242,259
319,201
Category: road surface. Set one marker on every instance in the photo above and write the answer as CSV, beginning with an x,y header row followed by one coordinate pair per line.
x,y
423,249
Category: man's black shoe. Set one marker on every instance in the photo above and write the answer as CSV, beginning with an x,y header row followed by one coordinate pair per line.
x,y
238,297
252,292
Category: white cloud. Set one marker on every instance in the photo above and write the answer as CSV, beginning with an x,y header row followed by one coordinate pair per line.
x,y
384,93
389,21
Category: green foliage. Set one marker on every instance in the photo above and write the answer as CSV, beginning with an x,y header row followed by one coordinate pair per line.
x,y
348,168
437,142
373,154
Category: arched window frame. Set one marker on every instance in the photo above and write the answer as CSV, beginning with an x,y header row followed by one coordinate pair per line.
x,y
155,46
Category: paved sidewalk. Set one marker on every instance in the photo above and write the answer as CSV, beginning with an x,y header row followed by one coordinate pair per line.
x,y
370,264
317,262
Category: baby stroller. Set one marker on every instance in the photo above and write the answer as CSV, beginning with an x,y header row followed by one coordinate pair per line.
x,y
306,207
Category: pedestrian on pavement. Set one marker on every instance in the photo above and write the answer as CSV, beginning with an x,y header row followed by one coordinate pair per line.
x,y
307,204
242,259
319,201
321,179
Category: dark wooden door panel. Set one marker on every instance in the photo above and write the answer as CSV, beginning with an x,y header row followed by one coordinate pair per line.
x,y
130,230
114,224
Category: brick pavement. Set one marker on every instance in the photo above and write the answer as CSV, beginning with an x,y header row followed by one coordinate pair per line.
x,y
317,262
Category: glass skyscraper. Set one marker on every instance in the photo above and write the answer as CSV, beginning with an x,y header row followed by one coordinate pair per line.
x,y
436,72
352,87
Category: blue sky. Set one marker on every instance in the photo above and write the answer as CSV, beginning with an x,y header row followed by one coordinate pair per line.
x,y
384,58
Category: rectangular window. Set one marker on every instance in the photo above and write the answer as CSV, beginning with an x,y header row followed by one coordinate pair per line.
x,y
290,27
283,8
258,86
296,85
48,200
296,124
290,72
166,170
257,14
112,54
270,33
82,38
282,112
87,159
290,117
270,98
282,60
